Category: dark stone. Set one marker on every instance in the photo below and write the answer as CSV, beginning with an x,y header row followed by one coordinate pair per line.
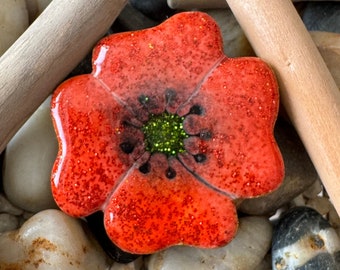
x,y
96,225
84,67
155,9
304,240
322,16
131,19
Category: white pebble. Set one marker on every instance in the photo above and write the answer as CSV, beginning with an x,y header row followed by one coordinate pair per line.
x,y
13,22
51,240
245,252
28,161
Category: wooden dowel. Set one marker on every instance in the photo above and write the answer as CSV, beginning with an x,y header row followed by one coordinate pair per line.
x,y
46,52
308,91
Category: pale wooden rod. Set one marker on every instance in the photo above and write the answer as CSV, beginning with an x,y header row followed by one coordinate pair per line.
x,y
45,53
308,91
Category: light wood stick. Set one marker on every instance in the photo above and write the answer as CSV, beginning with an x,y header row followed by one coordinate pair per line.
x,y
308,91
46,52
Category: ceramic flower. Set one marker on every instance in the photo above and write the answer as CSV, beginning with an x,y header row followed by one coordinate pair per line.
x,y
164,135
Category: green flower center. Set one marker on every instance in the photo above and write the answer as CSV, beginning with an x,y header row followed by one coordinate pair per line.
x,y
164,133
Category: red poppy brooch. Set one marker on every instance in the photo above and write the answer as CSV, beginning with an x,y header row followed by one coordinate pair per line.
x,y
164,134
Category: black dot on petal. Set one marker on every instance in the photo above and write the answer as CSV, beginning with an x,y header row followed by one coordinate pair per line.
x,y
170,173
196,109
205,135
127,147
145,168
170,94
200,158
143,99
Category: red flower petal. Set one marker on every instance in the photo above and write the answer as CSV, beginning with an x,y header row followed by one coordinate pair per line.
x,y
175,55
240,104
90,163
148,212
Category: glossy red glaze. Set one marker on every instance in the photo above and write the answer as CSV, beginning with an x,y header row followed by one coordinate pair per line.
x,y
177,65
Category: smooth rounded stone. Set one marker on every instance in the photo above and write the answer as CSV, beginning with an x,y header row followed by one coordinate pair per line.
x,y
235,43
28,162
131,19
334,218
328,45
8,222
51,240
322,16
299,174
35,7
154,9
245,252
321,204
197,4
13,22
304,240
135,265
7,207
314,190
265,264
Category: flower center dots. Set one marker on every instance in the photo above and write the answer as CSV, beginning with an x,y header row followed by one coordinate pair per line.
x,y
164,133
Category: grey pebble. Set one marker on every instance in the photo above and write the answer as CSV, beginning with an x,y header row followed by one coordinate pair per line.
x,y
322,16
7,207
8,222
155,9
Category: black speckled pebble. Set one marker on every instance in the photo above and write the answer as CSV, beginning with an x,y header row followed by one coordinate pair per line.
x,y
304,240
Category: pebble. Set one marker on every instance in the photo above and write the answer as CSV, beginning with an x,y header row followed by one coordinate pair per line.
x,y
299,174
304,240
245,252
197,4
35,7
155,9
13,22
322,16
8,222
235,43
328,45
51,240
132,19
7,207
28,162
